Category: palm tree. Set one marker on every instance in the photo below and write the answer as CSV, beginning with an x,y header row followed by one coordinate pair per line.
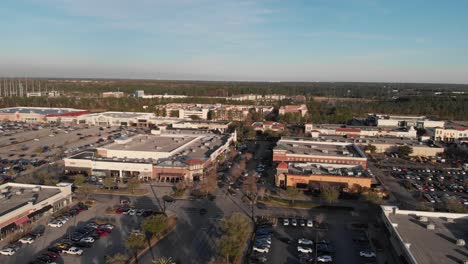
x,y
164,260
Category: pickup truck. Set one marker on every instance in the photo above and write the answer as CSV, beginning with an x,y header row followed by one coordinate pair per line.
x,y
74,251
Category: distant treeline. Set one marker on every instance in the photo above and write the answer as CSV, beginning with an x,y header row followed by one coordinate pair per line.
x,y
443,107
204,88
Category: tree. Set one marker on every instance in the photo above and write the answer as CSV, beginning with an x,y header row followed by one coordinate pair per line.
x,y
116,259
292,193
373,198
79,180
155,224
329,194
404,151
164,260
174,113
236,230
134,243
133,183
210,181
370,148
108,182
454,206
211,115
194,117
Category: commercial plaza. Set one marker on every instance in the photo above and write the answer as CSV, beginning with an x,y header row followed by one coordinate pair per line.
x,y
172,155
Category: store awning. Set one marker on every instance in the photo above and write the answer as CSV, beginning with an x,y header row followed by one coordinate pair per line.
x,y
22,220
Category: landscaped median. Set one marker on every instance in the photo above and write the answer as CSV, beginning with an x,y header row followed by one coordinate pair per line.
x,y
135,192
158,230
279,202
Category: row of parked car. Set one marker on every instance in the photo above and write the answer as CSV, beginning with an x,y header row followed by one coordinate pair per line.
x,y
29,238
64,218
76,242
262,242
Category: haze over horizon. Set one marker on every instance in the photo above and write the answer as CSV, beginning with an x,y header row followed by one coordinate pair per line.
x,y
247,40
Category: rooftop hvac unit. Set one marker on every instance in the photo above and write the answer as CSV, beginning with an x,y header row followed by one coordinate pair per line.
x,y
423,219
5,190
36,189
449,220
430,227
460,242
324,150
19,192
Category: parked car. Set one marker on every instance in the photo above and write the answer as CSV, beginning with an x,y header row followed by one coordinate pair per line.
x,y
305,241
310,223
261,249
294,222
74,251
304,249
87,240
324,259
286,222
367,254
107,226
55,224
8,251
27,240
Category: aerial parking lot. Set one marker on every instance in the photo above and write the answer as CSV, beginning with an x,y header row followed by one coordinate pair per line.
x,y
24,146
79,234
325,236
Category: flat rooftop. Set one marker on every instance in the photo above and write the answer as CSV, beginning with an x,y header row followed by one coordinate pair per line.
x,y
15,201
122,114
317,148
433,246
321,169
38,110
163,143
375,140
192,144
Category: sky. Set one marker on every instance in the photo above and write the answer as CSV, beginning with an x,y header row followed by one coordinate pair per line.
x,y
243,40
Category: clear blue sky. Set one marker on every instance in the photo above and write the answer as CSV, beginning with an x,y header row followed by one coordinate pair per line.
x,y
272,40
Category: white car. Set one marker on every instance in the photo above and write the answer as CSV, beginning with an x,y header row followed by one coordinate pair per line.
x,y
93,225
310,223
74,251
108,226
294,222
26,240
304,249
261,250
286,222
87,240
132,212
324,258
8,251
367,254
305,241
55,224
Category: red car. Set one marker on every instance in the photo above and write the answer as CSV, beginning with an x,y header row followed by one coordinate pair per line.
x,y
52,255
102,233
106,230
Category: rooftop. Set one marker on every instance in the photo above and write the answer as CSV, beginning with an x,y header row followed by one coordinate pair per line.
x,y
123,114
155,143
321,169
13,197
38,110
433,246
377,140
319,148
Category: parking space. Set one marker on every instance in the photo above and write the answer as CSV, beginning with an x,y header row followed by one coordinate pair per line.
x,y
432,186
75,228
24,147
302,239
